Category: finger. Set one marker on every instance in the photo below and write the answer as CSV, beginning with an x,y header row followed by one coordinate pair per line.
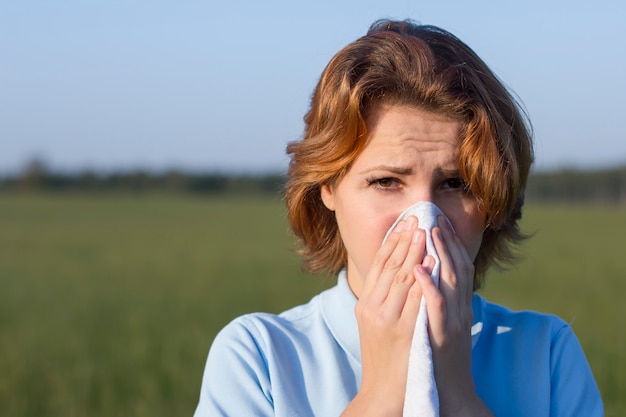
x,y
381,257
455,284
404,278
412,305
429,263
462,264
415,295
454,298
447,275
387,270
453,242
435,305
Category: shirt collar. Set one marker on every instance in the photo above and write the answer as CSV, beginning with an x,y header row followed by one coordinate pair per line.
x,y
338,311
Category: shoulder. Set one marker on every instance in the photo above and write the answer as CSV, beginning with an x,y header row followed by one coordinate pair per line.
x,y
527,336
521,346
502,319
242,365
499,311
263,325
260,333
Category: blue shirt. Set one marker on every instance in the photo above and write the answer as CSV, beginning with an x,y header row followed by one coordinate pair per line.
x,y
307,362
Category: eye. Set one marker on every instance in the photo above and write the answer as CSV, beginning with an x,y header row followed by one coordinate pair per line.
x,y
455,184
386,183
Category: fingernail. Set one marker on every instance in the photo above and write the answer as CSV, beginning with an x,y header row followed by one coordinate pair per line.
x,y
399,226
429,262
422,272
417,236
410,223
443,223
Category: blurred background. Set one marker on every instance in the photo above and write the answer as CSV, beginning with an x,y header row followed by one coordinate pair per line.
x,y
142,159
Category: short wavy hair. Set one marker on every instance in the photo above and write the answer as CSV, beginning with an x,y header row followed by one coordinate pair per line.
x,y
404,63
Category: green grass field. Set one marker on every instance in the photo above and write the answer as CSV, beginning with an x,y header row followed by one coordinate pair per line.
x,y
108,304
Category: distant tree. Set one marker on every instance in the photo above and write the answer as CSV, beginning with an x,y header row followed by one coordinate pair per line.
x,y
33,175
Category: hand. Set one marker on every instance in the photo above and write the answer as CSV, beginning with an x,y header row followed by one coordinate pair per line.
x,y
450,318
386,314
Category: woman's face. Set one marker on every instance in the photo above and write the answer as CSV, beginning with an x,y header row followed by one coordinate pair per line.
x,y
410,156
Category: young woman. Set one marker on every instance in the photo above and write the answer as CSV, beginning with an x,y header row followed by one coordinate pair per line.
x,y
404,114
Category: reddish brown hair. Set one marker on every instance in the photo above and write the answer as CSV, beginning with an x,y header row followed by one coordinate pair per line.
x,y
422,66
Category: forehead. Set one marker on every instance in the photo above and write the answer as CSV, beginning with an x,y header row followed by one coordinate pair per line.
x,y
389,116
400,129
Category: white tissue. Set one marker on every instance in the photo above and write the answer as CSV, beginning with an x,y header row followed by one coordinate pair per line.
x,y
421,398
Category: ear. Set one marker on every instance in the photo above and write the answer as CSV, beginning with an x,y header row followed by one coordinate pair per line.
x,y
328,196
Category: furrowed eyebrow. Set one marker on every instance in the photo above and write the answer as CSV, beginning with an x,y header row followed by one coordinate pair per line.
x,y
392,169
448,172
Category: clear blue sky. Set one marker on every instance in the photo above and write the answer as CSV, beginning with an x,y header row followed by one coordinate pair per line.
x,y
223,85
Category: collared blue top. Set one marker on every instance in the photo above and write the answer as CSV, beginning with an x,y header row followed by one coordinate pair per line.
x,y
307,362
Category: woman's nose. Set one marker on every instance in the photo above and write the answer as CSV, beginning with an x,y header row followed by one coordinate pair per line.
x,y
422,194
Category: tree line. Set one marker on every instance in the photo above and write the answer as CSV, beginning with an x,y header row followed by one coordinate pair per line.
x,y
568,185
36,176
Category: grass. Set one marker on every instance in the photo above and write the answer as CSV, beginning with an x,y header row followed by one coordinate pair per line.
x,y
108,304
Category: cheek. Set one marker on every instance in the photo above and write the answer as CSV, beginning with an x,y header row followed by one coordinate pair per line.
x,y
469,227
363,233
472,244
